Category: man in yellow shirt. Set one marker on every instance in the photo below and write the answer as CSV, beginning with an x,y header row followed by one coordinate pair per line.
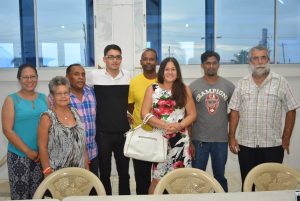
x,y
137,88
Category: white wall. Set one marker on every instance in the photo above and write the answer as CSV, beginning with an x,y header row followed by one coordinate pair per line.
x,y
121,22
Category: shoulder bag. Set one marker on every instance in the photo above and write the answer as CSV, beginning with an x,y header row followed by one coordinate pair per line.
x,y
146,145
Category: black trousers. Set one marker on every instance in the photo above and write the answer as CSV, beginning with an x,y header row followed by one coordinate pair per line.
x,y
251,157
94,166
142,173
109,143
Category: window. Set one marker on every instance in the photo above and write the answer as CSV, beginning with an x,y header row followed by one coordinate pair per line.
x,y
238,26
180,27
10,41
61,32
56,33
183,29
242,26
288,31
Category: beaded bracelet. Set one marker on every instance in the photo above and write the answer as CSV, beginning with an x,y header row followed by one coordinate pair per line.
x,y
47,170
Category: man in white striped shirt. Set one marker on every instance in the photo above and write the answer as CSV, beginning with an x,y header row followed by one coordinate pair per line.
x,y
257,104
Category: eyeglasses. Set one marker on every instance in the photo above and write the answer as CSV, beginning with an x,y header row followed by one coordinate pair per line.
x,y
215,63
26,78
262,59
62,94
111,57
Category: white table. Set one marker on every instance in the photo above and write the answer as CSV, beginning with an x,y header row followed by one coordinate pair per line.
x,y
237,196
36,200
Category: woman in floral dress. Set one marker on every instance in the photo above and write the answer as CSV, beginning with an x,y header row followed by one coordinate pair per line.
x,y
172,105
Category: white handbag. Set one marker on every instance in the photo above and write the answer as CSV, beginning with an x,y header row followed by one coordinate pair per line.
x,y
146,145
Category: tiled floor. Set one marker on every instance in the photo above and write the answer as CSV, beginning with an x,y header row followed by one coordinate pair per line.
x,y
4,190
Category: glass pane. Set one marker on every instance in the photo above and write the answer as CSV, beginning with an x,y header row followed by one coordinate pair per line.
x,y
241,25
288,31
10,39
182,30
62,32
153,21
49,49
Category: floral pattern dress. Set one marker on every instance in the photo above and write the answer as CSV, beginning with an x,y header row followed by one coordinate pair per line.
x,y
179,155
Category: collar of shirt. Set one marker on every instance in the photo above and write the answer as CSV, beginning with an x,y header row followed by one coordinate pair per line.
x,y
271,76
119,76
101,77
84,94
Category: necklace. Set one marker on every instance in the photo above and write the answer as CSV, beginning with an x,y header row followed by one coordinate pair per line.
x,y
63,115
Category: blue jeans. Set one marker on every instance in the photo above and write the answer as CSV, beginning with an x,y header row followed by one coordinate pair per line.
x,y
218,152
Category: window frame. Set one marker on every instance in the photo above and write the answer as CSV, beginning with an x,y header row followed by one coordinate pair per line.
x,y
29,34
210,30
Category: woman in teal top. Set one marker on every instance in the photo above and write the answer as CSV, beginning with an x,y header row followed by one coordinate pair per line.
x,y
20,117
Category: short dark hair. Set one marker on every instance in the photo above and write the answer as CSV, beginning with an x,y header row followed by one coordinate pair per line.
x,y
150,50
111,47
68,70
207,54
22,67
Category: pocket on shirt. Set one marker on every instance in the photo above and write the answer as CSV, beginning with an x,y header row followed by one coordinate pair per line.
x,y
272,98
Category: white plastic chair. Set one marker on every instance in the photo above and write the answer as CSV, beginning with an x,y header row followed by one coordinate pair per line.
x,y
69,182
3,160
271,177
188,181
4,183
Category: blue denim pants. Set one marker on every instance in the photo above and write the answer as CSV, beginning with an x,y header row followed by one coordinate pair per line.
x,y
218,152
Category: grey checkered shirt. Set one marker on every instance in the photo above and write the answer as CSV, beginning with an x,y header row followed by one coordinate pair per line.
x,y
260,109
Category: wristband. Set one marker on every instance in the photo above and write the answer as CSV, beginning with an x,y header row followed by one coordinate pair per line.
x,y
47,170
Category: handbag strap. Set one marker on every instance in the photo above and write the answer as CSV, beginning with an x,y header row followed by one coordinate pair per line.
x,y
147,118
